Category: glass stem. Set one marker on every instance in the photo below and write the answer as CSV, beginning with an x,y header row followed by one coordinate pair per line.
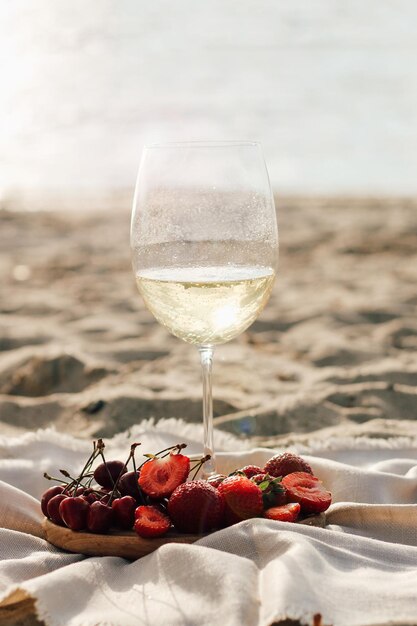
x,y
206,358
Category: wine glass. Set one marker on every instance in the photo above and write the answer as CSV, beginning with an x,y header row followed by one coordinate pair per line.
x,y
204,243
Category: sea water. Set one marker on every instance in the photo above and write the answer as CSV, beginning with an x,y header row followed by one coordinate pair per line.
x,y
329,87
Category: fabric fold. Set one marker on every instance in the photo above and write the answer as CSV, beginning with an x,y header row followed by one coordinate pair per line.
x,y
360,570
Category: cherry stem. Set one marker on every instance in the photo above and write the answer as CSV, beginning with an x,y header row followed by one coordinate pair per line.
x,y
133,449
58,480
101,446
90,460
179,447
136,470
68,475
68,486
131,456
200,465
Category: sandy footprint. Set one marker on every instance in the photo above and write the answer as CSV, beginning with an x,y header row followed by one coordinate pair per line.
x,y
40,374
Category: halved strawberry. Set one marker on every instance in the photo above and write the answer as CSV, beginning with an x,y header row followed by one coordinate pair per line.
x,y
151,522
159,477
308,490
243,499
285,513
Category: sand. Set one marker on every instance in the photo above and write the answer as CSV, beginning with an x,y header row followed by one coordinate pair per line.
x,y
333,353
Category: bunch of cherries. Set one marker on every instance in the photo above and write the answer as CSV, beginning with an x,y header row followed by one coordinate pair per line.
x,y
109,495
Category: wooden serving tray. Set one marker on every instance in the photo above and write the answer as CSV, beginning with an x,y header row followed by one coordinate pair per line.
x,y
126,544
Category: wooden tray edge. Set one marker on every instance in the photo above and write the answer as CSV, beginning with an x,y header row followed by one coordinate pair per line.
x,y
132,547
91,544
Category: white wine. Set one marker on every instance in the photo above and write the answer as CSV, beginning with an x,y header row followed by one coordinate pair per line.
x,y
206,305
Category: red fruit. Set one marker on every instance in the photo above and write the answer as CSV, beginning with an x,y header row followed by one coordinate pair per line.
x,y
196,507
286,463
128,486
100,517
243,499
251,470
285,513
90,496
159,477
73,512
124,512
308,490
216,479
273,491
151,522
260,478
49,493
53,508
79,491
107,473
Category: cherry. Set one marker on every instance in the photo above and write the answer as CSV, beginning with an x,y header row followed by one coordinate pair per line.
x,y
74,512
53,508
128,486
100,517
49,493
89,496
106,498
107,473
124,511
79,491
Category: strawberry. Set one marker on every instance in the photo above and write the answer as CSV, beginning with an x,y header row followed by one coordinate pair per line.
x,y
286,463
151,522
159,477
216,479
285,513
259,478
273,492
308,490
251,470
243,499
196,507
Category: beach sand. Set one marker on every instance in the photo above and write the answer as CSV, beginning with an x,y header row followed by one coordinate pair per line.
x,y
333,354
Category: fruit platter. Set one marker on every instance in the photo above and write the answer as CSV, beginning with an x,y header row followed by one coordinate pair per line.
x,y
126,509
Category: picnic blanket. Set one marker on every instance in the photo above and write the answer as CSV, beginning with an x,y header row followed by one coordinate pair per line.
x,y
359,570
